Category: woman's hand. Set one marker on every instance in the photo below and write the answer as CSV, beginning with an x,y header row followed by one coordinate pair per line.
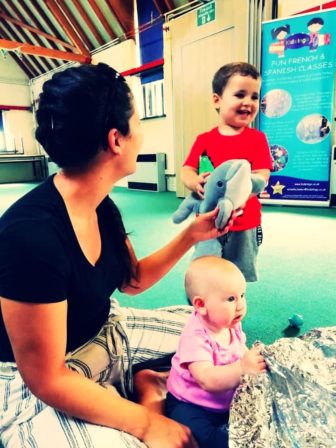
x,y
163,432
203,227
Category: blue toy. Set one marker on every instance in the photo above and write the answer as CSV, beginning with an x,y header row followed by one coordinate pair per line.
x,y
296,320
228,187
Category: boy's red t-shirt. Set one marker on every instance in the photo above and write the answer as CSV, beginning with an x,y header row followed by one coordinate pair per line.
x,y
250,145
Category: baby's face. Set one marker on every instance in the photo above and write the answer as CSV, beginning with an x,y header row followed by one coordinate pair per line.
x,y
226,303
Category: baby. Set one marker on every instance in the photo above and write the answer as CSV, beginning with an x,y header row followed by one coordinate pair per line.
x,y
212,355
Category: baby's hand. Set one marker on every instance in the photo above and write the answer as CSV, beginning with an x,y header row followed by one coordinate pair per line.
x,y
200,182
253,362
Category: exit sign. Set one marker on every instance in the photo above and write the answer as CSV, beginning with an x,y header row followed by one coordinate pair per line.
x,y
206,14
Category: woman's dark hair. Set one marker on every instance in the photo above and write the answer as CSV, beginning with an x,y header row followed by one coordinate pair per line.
x,y
77,108
128,270
222,76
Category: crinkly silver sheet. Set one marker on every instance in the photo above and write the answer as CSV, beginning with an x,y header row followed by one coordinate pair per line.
x,y
294,403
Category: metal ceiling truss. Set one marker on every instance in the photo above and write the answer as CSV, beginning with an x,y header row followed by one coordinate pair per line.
x,y
41,35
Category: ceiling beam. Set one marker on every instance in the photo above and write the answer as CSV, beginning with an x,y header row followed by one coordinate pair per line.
x,y
34,20
29,70
161,6
88,22
17,35
171,5
62,20
45,52
35,30
123,10
66,11
26,35
102,19
46,20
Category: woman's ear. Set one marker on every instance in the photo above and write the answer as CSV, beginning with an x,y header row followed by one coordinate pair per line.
x,y
113,139
199,305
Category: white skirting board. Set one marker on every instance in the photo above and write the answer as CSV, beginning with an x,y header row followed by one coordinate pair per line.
x,y
150,173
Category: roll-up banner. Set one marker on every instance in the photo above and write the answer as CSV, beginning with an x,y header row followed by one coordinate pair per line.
x,y
296,109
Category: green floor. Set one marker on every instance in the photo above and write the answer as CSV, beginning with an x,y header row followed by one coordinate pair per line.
x,y
297,260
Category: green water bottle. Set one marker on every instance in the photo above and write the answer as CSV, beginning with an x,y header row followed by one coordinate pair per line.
x,y
205,164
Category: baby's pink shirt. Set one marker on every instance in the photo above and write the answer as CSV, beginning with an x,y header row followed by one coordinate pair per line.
x,y
196,344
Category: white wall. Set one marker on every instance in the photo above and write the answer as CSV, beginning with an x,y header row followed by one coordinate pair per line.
x,y
289,7
15,91
121,56
14,83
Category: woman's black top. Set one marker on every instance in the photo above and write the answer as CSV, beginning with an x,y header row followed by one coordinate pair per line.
x,y
41,262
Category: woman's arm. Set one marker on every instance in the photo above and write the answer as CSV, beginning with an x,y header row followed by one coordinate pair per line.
x,y
220,378
153,267
38,336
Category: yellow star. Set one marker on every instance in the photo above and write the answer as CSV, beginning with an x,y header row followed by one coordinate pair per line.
x,y
277,188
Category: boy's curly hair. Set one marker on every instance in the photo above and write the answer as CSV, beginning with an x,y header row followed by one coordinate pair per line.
x,y
222,76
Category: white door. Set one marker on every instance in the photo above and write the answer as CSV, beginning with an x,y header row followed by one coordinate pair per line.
x,y
197,52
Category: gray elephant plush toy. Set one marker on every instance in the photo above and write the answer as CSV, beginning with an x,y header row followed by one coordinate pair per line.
x,y
228,187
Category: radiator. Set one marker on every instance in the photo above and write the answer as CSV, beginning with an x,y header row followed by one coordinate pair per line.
x,y
150,173
22,169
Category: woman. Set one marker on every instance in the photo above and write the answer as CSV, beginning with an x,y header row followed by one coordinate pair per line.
x,y
63,251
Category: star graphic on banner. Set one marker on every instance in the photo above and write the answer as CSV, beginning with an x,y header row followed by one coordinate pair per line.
x,y
277,188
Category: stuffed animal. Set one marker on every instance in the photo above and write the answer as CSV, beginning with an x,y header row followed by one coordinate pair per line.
x,y
228,188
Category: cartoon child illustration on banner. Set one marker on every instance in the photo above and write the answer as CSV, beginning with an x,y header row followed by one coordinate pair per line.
x,y
313,40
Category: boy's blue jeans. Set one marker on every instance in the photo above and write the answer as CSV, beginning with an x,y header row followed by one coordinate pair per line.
x,y
208,428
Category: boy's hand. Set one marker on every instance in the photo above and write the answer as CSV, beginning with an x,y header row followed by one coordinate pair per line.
x,y
253,362
200,182
240,210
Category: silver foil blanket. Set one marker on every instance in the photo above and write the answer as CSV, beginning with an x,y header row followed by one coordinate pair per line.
x,y
294,403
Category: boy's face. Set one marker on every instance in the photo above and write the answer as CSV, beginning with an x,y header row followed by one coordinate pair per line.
x,y
239,103
225,303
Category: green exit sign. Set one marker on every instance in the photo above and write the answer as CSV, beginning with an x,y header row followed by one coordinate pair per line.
x,y
206,14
